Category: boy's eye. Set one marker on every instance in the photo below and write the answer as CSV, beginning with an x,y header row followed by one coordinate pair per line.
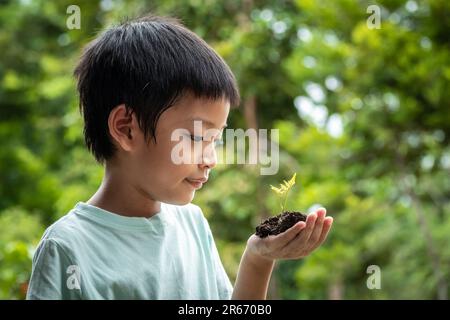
x,y
196,138
217,142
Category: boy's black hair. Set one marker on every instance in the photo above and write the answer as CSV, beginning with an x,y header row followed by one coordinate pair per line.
x,y
146,64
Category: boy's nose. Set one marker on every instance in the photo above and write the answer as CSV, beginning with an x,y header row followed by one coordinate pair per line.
x,y
209,159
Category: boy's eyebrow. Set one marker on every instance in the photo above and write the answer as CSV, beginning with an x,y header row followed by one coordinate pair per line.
x,y
212,124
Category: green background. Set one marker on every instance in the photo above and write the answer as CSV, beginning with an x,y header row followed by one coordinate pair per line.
x,y
363,114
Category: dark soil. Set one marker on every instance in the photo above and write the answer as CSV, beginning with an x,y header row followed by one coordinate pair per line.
x,y
280,223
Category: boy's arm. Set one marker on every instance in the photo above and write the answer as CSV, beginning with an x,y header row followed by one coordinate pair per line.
x,y
259,256
253,278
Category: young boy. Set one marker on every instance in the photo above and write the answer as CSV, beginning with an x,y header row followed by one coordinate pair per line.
x,y
138,236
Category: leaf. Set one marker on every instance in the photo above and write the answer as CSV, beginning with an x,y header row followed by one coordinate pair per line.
x,y
285,187
291,182
277,190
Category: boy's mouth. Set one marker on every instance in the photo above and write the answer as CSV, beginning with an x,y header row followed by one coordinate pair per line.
x,y
196,183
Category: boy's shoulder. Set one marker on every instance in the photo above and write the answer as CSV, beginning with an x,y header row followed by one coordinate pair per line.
x,y
58,228
72,224
66,227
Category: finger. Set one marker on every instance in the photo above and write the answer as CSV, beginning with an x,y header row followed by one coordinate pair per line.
x,y
327,223
287,236
317,231
300,244
306,233
322,210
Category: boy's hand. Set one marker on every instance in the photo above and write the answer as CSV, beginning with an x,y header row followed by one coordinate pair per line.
x,y
295,243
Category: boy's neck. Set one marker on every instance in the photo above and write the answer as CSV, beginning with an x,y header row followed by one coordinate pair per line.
x,y
118,196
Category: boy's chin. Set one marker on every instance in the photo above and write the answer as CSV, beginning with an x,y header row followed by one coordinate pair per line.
x,y
182,195
186,198
181,202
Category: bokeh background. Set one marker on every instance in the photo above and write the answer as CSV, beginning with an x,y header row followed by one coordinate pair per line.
x,y
363,114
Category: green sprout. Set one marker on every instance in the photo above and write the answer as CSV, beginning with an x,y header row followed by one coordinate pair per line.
x,y
283,190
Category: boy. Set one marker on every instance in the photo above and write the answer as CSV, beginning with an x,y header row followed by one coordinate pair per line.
x,y
138,236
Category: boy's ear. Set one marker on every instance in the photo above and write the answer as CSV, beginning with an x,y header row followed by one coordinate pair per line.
x,y
122,127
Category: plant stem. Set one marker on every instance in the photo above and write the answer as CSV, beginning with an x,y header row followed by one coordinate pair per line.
x,y
285,199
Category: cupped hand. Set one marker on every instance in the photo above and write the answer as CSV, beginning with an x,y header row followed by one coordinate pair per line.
x,y
296,242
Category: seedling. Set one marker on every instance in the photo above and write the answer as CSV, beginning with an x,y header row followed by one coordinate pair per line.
x,y
284,220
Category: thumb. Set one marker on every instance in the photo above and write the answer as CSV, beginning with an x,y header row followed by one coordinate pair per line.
x,y
287,236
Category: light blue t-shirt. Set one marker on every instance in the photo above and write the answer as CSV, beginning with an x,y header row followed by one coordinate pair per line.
x,y
91,253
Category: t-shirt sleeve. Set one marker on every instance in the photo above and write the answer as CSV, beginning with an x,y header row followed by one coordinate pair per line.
x,y
224,286
54,276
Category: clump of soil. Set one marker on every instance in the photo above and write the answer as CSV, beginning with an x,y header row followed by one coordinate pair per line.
x,y
279,224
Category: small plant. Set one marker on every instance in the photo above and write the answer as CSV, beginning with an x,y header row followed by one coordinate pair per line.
x,y
284,189
284,220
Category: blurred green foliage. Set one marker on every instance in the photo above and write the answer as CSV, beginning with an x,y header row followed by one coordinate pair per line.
x,y
363,114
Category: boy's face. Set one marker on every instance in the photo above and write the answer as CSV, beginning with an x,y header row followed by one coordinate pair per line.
x,y
155,173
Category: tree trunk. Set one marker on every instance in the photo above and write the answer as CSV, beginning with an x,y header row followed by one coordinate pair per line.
x,y
336,290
